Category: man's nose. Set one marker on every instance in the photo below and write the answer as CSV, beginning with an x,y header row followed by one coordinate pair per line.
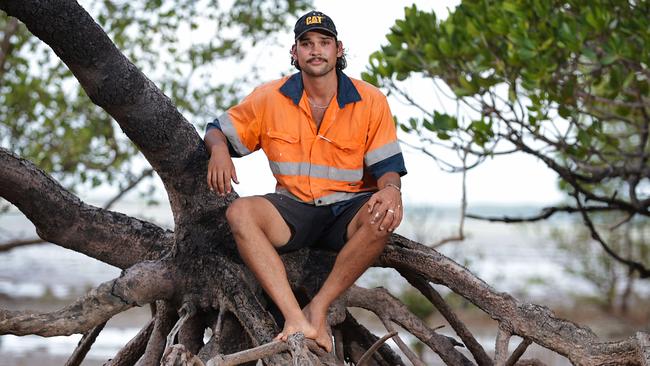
x,y
315,50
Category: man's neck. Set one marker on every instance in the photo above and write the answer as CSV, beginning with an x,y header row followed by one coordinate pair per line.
x,y
321,88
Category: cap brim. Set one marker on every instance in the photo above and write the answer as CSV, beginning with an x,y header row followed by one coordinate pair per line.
x,y
317,29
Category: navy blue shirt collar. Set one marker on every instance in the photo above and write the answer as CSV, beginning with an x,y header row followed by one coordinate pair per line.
x,y
346,93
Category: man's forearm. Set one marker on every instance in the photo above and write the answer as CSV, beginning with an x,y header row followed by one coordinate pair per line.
x,y
389,179
215,139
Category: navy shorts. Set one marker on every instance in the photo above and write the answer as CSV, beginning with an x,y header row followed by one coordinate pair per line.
x,y
324,227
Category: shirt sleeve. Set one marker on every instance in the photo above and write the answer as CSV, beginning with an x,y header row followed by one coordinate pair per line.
x,y
215,124
383,153
241,126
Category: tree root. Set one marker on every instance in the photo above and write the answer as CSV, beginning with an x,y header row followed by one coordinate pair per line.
x,y
84,346
529,321
388,308
366,356
132,351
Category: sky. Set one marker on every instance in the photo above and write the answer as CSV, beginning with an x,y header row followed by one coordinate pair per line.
x,y
362,26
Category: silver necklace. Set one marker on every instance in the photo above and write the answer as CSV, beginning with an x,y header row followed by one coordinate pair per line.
x,y
311,103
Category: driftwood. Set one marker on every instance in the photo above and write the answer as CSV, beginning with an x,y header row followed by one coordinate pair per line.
x,y
196,266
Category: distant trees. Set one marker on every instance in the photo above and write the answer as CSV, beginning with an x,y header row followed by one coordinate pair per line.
x,y
47,117
564,81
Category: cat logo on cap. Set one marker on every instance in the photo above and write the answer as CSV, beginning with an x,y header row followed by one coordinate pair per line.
x,y
313,20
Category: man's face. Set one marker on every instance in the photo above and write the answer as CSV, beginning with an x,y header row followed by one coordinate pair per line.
x,y
316,53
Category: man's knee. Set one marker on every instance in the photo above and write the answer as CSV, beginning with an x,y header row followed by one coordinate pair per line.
x,y
238,212
371,230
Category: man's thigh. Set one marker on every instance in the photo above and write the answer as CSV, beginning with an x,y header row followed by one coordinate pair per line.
x,y
268,219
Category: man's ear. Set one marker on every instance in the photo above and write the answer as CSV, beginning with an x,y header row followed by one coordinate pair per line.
x,y
292,52
339,49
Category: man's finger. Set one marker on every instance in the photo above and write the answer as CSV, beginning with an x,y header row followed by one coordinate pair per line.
x,y
213,180
220,185
226,182
397,220
234,175
209,178
387,222
371,203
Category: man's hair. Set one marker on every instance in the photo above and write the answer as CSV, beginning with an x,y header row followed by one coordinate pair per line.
x,y
341,62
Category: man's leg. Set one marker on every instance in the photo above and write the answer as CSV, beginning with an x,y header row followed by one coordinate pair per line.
x,y
258,229
364,245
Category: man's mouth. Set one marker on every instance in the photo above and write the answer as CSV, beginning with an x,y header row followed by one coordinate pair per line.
x,y
317,60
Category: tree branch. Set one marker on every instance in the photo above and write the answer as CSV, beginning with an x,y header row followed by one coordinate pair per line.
x,y
501,346
13,244
130,185
138,285
84,346
518,352
131,352
530,321
63,219
545,213
357,339
386,306
632,265
366,356
293,344
475,348
164,320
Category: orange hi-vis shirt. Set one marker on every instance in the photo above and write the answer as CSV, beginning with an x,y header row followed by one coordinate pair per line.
x,y
354,146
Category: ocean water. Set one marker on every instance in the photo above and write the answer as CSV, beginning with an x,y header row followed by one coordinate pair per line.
x,y
520,259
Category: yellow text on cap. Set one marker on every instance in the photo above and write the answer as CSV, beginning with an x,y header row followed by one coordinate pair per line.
x,y
314,20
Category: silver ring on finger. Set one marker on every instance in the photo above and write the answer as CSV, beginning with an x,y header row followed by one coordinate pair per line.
x,y
390,211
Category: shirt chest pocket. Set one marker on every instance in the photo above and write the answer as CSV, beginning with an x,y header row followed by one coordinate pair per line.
x,y
282,146
344,153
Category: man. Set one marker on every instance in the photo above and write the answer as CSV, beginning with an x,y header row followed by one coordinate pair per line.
x,y
332,147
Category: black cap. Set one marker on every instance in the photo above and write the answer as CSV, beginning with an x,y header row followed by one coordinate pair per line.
x,y
314,21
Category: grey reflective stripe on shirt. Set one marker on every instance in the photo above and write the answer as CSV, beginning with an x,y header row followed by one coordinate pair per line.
x,y
285,192
325,200
381,153
229,130
316,171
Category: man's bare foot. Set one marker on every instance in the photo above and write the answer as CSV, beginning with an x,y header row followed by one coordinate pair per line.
x,y
318,320
300,324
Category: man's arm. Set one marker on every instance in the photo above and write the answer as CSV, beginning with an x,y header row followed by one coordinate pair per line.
x,y
385,205
221,169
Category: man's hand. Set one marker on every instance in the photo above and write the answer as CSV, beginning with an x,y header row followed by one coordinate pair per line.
x,y
221,170
385,208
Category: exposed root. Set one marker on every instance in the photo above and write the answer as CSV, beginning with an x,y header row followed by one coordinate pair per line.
x,y
94,308
84,346
536,323
140,284
178,355
187,311
366,356
132,351
297,345
380,302
475,348
165,318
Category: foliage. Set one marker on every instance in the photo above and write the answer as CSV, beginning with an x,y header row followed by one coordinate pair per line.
x,y
566,81
416,303
47,117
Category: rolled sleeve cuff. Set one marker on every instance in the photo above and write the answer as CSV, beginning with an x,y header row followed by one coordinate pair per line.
x,y
394,163
215,124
